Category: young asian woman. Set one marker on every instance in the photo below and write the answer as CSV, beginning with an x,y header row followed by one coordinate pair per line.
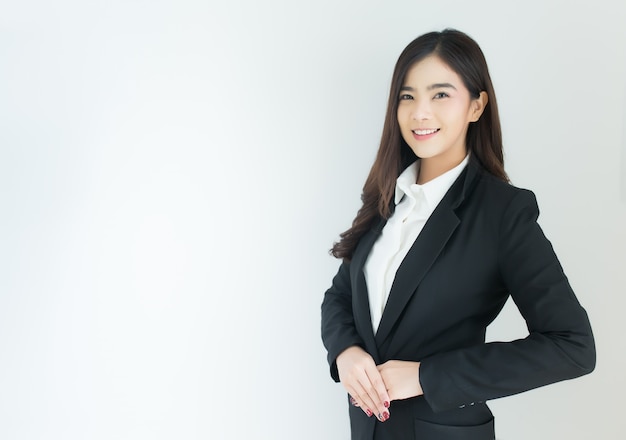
x,y
440,243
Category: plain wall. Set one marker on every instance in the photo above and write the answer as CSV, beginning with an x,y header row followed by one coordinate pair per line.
x,y
172,174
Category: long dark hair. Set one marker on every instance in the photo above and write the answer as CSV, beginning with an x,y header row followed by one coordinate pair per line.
x,y
484,137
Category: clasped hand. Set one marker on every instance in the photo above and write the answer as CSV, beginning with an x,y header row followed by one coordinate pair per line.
x,y
372,388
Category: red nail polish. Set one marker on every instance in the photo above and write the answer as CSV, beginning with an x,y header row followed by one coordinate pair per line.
x,y
369,413
386,404
386,416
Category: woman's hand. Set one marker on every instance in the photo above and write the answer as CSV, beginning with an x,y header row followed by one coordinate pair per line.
x,y
401,379
360,377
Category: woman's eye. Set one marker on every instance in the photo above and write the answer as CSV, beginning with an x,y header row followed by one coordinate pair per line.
x,y
441,95
405,97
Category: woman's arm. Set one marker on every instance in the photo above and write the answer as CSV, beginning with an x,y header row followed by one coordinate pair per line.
x,y
560,344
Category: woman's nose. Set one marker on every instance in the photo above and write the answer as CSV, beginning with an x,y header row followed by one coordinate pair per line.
x,y
421,110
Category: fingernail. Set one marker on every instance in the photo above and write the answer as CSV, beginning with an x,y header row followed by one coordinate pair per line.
x,y
380,417
386,415
369,413
386,404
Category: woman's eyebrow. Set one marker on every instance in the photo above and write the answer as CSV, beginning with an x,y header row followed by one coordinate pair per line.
x,y
430,87
440,86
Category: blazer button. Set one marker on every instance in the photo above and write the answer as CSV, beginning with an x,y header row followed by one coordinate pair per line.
x,y
462,406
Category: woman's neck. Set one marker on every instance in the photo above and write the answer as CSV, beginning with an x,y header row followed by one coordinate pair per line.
x,y
431,168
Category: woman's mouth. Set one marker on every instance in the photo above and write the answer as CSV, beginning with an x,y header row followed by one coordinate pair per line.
x,y
424,133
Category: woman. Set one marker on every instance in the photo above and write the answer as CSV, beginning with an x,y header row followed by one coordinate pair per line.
x,y
441,241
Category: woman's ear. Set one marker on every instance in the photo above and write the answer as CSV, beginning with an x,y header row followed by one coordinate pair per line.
x,y
478,106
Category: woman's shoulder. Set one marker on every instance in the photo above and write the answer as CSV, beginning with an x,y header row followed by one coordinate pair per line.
x,y
500,193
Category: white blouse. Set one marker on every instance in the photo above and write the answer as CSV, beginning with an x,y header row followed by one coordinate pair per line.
x,y
414,205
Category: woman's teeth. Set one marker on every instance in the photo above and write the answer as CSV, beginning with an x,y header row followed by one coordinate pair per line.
x,y
425,132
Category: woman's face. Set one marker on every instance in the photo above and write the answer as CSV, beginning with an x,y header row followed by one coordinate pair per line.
x,y
434,112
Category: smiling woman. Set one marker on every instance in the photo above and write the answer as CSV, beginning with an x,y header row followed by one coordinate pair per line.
x,y
441,242
434,114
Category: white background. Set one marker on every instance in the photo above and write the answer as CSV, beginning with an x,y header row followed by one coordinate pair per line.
x,y
172,174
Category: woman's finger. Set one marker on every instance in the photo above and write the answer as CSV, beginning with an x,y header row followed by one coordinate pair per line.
x,y
364,400
377,392
379,387
367,397
360,377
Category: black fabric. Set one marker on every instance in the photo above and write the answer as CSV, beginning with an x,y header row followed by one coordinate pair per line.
x,y
481,244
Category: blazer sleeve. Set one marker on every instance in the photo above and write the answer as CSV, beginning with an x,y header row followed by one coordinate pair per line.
x,y
338,327
560,343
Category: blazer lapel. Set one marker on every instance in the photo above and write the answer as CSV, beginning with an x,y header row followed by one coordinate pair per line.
x,y
361,305
425,250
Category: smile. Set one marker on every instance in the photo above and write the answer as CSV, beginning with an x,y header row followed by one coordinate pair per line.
x,y
426,132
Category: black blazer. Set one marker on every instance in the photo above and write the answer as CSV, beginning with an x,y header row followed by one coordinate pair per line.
x,y
481,244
